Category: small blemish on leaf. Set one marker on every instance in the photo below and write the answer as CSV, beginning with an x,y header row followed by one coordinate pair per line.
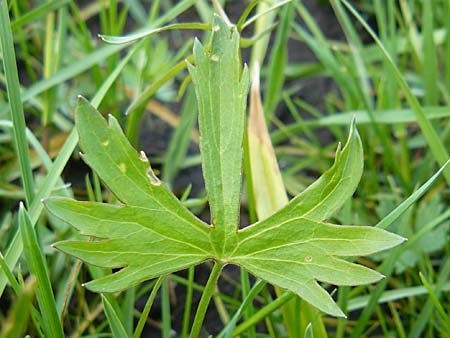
x,y
308,259
142,156
216,28
214,58
123,167
105,143
153,179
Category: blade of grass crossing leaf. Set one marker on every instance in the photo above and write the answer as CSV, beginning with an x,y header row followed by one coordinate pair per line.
x,y
37,266
437,147
115,40
148,305
15,102
114,322
445,319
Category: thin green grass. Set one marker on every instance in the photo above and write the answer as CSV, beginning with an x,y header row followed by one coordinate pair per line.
x,y
15,103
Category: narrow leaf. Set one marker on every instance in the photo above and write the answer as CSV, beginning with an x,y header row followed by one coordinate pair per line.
x,y
116,40
37,266
115,324
15,102
221,88
268,186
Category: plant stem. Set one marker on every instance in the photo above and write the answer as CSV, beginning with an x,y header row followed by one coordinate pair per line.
x,y
206,298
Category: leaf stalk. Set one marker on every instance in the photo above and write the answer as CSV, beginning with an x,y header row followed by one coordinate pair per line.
x,y
206,298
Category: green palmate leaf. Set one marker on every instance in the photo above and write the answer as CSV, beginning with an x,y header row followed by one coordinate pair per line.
x,y
150,233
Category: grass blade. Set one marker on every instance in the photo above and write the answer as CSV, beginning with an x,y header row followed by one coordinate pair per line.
x,y
424,315
263,313
165,309
361,302
147,307
434,298
389,264
259,49
188,303
180,140
429,68
264,12
397,212
227,332
15,324
278,61
437,147
114,322
9,274
15,102
38,12
116,40
37,267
